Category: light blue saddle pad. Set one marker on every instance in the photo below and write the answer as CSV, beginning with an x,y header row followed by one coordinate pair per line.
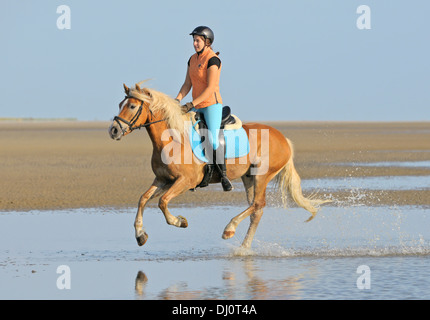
x,y
237,143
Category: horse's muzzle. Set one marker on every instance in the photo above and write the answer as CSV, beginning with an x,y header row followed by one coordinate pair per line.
x,y
115,131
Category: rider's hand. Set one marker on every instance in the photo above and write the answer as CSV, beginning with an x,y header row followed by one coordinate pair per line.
x,y
187,107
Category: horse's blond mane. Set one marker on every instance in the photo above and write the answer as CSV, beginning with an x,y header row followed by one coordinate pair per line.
x,y
160,102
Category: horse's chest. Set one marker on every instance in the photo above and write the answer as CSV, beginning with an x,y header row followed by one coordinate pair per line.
x,y
162,171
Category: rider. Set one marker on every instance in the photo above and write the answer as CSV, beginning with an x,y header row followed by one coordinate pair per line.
x,y
203,74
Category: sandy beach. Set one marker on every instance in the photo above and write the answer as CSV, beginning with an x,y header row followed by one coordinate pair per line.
x,y
73,164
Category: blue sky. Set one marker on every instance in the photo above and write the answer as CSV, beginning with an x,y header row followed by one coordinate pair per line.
x,y
282,60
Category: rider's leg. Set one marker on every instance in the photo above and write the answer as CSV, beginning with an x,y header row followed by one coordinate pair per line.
x,y
219,156
213,117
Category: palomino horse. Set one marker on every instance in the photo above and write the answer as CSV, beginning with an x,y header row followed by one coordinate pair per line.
x,y
267,159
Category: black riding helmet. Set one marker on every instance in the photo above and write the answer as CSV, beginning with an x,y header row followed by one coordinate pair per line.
x,y
204,31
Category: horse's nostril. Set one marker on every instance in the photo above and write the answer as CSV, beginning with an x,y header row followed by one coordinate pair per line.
x,y
113,131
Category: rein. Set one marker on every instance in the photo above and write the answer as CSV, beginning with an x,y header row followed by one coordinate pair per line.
x,y
133,120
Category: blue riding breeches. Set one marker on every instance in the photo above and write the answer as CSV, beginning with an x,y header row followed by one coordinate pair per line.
x,y
213,117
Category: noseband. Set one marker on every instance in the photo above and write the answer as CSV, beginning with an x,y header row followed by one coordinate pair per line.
x,y
133,120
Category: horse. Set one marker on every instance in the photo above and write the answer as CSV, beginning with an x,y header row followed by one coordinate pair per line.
x,y
161,115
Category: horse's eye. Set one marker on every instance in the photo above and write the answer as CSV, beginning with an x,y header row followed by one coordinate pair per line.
x,y
132,107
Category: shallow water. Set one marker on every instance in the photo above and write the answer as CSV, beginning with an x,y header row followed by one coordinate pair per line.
x,y
400,164
352,183
290,259
370,183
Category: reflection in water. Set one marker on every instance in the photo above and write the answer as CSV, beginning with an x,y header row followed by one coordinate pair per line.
x,y
260,288
243,281
140,283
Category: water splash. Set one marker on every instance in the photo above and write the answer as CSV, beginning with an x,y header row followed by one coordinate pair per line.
x,y
276,250
342,231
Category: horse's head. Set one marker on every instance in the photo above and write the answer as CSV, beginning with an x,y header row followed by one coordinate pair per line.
x,y
134,112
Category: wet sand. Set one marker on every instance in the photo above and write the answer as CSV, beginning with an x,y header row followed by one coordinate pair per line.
x,y
49,165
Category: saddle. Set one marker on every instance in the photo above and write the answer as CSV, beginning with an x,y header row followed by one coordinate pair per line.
x,y
230,125
227,118
229,121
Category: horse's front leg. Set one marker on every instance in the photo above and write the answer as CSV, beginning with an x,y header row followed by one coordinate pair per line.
x,y
178,187
141,235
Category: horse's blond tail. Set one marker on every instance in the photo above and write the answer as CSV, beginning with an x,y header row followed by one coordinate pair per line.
x,y
288,180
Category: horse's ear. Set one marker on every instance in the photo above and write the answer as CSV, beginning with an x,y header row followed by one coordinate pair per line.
x,y
138,87
126,89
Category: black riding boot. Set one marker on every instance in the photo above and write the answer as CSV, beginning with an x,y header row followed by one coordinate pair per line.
x,y
225,182
222,169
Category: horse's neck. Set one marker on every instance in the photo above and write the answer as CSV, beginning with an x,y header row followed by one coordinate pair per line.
x,y
165,139
155,132
161,136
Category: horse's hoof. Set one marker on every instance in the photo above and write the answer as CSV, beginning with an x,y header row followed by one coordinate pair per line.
x,y
227,235
183,222
141,240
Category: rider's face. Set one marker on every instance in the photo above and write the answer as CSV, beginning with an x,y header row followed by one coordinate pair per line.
x,y
198,43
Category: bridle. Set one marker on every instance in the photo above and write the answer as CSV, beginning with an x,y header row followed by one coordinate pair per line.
x,y
133,120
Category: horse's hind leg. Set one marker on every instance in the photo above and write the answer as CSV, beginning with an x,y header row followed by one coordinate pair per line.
x,y
248,182
255,219
255,209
